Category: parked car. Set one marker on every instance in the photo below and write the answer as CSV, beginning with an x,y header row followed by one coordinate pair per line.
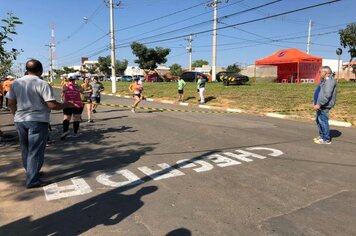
x,y
191,76
127,78
153,78
229,78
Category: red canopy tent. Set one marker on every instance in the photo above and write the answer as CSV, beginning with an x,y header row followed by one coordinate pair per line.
x,y
294,65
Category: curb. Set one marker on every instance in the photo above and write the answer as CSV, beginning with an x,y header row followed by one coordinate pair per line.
x,y
235,110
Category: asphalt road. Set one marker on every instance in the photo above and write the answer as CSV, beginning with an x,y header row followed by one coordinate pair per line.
x,y
175,173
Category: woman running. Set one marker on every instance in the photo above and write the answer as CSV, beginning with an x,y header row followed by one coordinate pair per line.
x,y
71,93
136,89
87,91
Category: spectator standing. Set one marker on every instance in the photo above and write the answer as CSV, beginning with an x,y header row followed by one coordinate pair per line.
x,y
324,100
30,100
201,87
71,92
98,87
1,95
6,88
181,85
87,91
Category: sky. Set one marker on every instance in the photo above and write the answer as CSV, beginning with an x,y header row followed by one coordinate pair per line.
x,y
247,30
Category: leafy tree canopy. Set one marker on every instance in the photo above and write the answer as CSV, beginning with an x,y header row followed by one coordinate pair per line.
x,y
104,65
149,58
8,56
176,69
348,39
199,63
233,68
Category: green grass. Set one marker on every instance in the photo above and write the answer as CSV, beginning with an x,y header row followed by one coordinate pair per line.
x,y
255,98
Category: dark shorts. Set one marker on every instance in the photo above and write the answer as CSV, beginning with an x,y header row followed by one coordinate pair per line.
x,y
95,99
86,100
71,111
137,95
180,91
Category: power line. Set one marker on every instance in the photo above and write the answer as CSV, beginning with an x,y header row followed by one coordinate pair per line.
x,y
242,23
209,21
80,27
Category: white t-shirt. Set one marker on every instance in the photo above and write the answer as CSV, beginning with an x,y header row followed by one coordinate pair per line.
x,y
31,94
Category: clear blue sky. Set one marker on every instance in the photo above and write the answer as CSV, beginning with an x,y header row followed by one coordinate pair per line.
x,y
151,22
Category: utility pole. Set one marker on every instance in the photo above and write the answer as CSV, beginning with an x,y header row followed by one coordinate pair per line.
x,y
51,53
190,49
112,38
112,42
309,31
213,71
51,46
215,5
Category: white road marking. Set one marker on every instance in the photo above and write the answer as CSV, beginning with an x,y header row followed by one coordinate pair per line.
x,y
221,160
205,166
79,187
275,152
126,177
132,179
165,172
241,157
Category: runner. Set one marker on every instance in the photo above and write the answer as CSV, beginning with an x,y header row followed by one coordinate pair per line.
x,y
86,97
71,93
136,89
97,89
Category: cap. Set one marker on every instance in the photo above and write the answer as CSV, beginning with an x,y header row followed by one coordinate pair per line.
x,y
72,77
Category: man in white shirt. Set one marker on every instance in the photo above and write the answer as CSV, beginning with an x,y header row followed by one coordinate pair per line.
x,y
30,101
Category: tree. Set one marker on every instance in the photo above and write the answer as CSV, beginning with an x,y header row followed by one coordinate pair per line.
x,y
148,58
199,63
176,69
348,40
233,68
68,70
104,65
8,56
120,66
90,69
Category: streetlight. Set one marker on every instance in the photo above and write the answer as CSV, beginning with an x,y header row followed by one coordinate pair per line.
x,y
338,52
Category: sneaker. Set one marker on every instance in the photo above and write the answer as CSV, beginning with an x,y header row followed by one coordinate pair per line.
x,y
76,135
50,143
90,121
64,135
317,138
322,141
94,111
133,110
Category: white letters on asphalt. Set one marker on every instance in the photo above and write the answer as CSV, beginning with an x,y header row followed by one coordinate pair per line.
x,y
205,166
80,187
221,160
132,179
165,172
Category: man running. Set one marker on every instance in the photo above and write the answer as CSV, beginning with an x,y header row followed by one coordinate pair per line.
x,y
97,89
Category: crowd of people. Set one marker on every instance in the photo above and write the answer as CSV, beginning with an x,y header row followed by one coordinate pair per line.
x,y
30,99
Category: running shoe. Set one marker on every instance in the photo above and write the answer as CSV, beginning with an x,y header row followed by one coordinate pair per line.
x,y
90,121
64,135
133,110
321,141
317,138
